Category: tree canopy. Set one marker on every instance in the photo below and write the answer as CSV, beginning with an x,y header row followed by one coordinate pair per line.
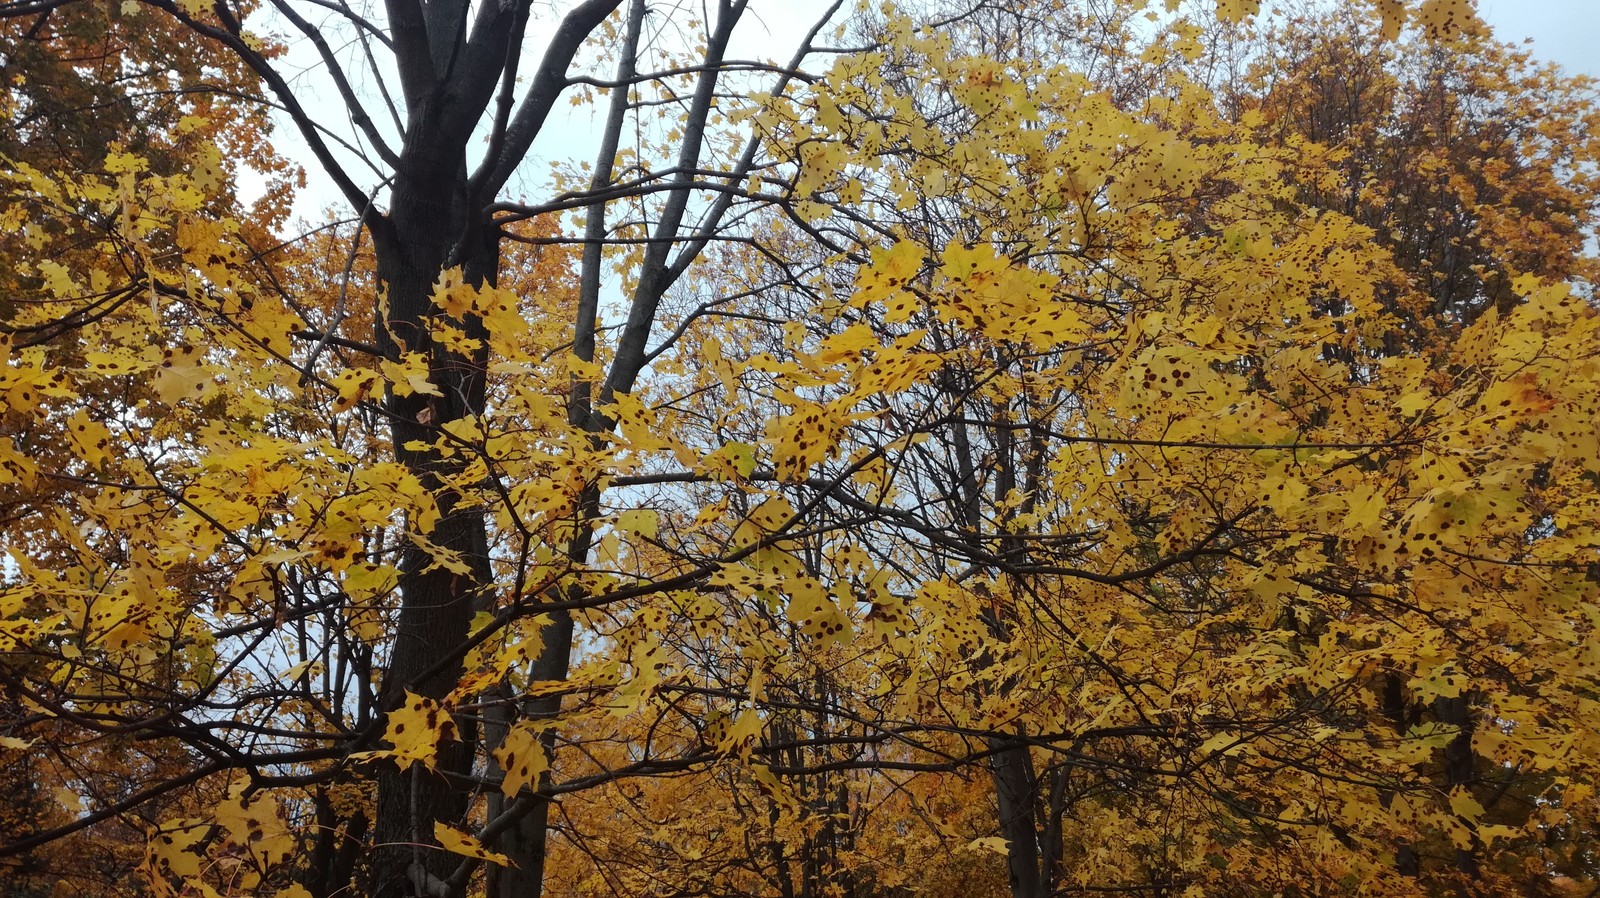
x,y
995,448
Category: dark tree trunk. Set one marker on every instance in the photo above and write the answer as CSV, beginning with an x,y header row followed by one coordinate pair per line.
x,y
1396,708
1460,771
427,224
1012,769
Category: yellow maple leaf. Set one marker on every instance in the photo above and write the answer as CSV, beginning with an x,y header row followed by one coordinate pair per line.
x,y
992,844
410,375
1394,17
1441,19
1237,10
643,521
90,438
812,608
457,842
886,278
1366,507
1464,805
731,461
353,385
802,439
182,376
415,730
741,735
523,757
257,824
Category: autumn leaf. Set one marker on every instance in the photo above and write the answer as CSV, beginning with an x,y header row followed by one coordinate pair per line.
x,y
1440,19
523,757
643,521
353,385
415,730
409,376
182,376
1185,421
991,845
457,842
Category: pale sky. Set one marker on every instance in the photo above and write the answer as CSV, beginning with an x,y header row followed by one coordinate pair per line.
x,y
1563,31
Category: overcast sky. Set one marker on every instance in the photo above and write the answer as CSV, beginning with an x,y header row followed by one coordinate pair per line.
x,y
1563,31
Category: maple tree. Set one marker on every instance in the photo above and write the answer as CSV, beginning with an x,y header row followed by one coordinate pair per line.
x,y
1445,145
1469,159
982,456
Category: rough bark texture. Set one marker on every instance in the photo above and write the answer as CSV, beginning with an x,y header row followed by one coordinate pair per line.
x,y
438,219
437,604
1012,768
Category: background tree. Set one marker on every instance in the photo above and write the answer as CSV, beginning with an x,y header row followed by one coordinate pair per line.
x,y
1194,591
1470,160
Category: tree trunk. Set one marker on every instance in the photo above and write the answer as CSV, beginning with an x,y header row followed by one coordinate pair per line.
x,y
437,605
1012,768
1460,772
1395,707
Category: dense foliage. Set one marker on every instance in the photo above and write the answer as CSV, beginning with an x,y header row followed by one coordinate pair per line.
x,y
1002,449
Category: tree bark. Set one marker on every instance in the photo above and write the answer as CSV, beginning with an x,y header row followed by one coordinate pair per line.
x,y
1460,772
1012,769
1396,708
437,604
